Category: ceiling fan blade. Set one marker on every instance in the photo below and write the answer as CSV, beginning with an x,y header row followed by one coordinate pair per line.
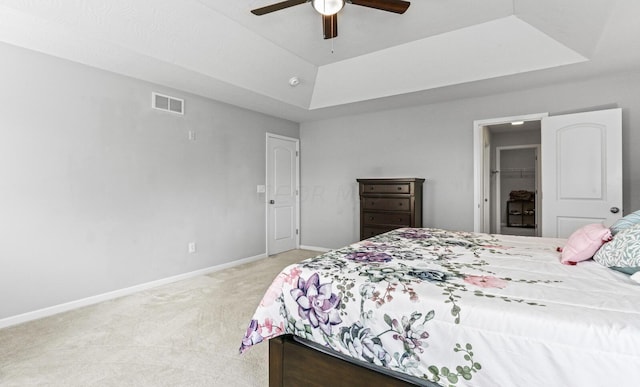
x,y
397,6
330,26
277,6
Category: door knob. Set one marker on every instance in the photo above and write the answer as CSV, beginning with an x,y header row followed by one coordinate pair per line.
x,y
614,210
272,201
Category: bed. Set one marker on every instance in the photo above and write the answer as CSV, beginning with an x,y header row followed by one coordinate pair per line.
x,y
442,308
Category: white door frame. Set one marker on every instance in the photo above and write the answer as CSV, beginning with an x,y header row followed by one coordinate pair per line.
x,y
497,201
266,196
481,165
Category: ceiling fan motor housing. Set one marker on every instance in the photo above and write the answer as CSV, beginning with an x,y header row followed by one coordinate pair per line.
x,y
328,7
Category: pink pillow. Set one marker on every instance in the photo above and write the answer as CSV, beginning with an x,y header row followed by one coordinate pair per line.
x,y
584,243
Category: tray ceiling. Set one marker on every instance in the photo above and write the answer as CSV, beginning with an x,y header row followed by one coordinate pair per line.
x,y
438,49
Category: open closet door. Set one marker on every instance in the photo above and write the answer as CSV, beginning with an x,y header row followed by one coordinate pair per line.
x,y
581,171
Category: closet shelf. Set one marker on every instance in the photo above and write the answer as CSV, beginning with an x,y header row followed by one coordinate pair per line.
x,y
515,172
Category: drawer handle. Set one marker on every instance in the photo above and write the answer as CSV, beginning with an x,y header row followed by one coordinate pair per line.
x,y
399,188
371,188
371,218
400,204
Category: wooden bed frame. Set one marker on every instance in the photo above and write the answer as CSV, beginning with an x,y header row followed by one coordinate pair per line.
x,y
294,364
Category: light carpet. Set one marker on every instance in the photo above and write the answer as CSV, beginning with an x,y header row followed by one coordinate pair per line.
x,y
183,334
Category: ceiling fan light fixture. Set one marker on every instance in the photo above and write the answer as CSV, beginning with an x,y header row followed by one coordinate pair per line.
x,y
328,7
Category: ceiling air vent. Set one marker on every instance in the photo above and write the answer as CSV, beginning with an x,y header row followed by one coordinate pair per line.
x,y
167,103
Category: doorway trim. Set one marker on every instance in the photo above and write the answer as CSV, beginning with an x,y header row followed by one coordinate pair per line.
x,y
497,200
297,187
482,166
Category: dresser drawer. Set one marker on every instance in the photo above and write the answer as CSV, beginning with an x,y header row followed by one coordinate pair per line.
x,y
400,188
387,204
368,232
400,218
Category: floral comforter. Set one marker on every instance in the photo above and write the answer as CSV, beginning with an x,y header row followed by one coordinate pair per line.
x,y
461,309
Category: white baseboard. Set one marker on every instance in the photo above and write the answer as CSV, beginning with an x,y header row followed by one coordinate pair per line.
x,y
315,248
50,311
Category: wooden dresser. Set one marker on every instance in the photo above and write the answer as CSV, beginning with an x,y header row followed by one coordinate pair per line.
x,y
387,204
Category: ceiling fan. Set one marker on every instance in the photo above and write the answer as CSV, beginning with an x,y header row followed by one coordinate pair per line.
x,y
329,10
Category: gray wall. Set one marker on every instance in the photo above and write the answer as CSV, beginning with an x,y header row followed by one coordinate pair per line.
x,y
436,142
99,192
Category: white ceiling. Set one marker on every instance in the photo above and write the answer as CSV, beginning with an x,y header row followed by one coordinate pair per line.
x,y
438,50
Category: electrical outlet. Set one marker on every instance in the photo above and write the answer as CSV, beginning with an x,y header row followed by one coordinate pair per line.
x,y
192,135
191,247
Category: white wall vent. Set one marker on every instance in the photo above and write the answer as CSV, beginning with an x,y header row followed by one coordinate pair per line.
x,y
167,103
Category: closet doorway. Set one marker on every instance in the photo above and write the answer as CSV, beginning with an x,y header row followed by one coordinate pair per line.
x,y
581,164
489,135
517,184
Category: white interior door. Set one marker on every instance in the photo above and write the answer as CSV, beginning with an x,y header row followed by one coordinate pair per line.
x,y
282,194
581,171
